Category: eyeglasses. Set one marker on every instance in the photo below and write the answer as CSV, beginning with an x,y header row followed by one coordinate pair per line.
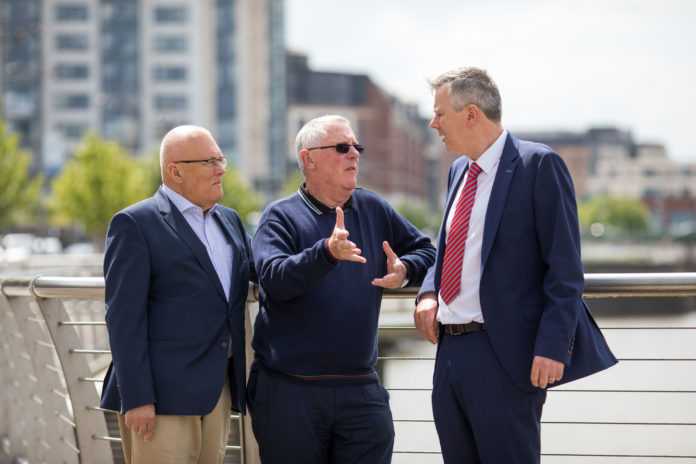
x,y
211,162
343,147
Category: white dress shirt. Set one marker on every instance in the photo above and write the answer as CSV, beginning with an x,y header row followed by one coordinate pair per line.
x,y
466,306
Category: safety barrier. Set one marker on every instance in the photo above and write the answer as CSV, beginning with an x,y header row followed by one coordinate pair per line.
x,y
55,349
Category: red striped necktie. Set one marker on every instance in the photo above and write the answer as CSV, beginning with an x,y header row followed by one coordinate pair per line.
x,y
456,238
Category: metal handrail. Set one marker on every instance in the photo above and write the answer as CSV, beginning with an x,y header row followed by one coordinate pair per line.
x,y
597,285
47,291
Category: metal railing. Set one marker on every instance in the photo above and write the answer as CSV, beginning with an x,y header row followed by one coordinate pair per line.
x,y
54,347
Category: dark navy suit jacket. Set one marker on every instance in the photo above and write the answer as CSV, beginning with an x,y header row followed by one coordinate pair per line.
x,y
531,273
168,319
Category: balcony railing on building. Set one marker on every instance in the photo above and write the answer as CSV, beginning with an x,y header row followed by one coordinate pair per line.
x,y
55,350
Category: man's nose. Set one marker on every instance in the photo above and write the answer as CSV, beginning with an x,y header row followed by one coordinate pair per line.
x,y
434,123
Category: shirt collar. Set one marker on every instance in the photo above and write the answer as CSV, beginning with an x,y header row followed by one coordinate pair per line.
x,y
182,203
492,155
318,207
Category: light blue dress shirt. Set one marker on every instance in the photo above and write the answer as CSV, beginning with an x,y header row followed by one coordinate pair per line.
x,y
210,233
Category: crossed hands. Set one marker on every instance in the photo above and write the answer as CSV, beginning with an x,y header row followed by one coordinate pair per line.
x,y
142,420
343,249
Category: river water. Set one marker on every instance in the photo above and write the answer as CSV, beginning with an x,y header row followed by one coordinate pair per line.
x,y
648,387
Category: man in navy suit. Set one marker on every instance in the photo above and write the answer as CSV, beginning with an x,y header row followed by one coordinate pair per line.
x,y
504,298
177,270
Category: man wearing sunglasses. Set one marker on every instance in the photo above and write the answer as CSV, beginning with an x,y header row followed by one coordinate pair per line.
x,y
324,255
177,269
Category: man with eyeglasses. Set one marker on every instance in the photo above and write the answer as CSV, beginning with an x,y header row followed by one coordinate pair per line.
x,y
324,255
177,269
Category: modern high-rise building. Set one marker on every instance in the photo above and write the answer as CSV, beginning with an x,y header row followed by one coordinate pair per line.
x,y
130,70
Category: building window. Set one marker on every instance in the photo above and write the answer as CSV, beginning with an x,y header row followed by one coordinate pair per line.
x,y
71,12
170,73
72,101
71,71
170,14
165,125
78,42
652,193
170,44
72,130
171,102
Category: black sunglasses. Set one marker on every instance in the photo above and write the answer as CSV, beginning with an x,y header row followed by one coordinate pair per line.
x,y
343,147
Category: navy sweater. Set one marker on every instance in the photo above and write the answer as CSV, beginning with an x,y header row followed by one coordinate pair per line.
x,y
318,317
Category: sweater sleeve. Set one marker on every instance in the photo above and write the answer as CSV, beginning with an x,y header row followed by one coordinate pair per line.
x,y
283,271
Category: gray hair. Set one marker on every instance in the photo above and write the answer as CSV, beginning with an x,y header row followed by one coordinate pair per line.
x,y
314,132
471,86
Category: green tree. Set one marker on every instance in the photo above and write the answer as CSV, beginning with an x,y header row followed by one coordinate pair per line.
x,y
238,195
19,192
424,218
98,182
626,215
149,167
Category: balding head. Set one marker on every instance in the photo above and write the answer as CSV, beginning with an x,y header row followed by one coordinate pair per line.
x,y
177,142
183,153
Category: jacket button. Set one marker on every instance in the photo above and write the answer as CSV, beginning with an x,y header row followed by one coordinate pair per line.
x,y
223,345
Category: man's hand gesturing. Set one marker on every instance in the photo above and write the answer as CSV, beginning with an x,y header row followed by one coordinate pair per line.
x,y
396,270
340,247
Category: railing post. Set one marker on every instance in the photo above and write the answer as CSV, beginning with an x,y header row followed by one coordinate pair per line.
x,y
83,394
250,449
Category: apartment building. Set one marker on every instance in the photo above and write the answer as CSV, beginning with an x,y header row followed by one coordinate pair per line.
x,y
130,70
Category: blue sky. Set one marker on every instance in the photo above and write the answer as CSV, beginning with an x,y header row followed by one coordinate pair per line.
x,y
560,65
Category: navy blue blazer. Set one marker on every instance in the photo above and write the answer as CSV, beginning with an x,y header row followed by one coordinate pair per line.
x,y
168,319
531,273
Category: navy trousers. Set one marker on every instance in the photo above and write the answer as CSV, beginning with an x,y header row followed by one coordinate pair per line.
x,y
302,422
480,415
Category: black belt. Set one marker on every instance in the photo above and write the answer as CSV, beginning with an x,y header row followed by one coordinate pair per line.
x,y
463,329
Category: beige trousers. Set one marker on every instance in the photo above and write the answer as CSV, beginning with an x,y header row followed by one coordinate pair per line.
x,y
182,439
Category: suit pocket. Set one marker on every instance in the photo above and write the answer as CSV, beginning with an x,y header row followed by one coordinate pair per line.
x,y
532,312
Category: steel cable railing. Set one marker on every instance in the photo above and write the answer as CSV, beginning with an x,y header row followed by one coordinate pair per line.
x,y
597,286
44,348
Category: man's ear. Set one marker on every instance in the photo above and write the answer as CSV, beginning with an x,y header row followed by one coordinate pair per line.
x,y
175,173
473,113
307,158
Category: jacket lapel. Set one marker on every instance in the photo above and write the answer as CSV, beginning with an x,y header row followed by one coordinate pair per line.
x,y
178,223
496,203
